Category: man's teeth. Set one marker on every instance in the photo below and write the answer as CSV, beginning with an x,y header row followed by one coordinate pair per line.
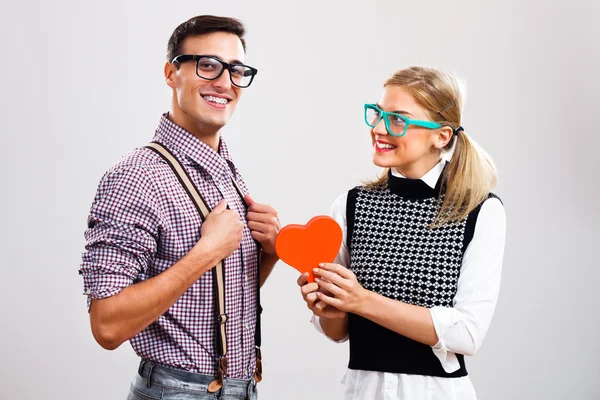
x,y
385,146
218,100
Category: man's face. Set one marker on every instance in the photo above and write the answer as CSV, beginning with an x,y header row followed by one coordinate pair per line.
x,y
206,104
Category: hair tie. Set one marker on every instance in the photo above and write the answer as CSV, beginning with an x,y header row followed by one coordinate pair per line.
x,y
459,129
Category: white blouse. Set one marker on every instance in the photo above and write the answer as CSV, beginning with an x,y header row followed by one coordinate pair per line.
x,y
460,328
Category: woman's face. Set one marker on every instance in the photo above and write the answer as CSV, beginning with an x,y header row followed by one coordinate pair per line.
x,y
418,150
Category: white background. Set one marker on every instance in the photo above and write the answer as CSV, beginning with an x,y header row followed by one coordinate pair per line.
x,y
81,84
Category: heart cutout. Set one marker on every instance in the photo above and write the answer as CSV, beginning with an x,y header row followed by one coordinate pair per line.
x,y
303,247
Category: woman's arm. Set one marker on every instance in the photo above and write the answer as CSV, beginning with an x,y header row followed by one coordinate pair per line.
x,y
348,295
328,320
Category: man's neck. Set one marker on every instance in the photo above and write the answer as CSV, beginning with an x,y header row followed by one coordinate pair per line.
x,y
211,138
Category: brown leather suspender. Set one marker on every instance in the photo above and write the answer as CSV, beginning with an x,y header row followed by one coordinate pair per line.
x,y
218,273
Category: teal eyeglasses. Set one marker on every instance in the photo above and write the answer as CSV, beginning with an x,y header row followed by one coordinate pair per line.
x,y
395,124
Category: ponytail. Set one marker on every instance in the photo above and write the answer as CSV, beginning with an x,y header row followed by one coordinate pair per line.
x,y
467,181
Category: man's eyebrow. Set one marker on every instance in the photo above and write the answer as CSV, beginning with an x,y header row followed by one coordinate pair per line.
x,y
219,58
397,111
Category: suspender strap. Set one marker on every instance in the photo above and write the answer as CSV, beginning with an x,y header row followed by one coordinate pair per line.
x,y
257,331
218,272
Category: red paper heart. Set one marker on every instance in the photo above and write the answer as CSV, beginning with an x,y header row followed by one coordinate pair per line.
x,y
305,246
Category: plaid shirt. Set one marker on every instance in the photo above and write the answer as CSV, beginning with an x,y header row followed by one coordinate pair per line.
x,y
142,222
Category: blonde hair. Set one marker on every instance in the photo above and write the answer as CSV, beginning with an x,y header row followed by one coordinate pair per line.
x,y
471,174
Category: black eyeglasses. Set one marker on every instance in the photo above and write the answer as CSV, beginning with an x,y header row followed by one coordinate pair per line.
x,y
210,68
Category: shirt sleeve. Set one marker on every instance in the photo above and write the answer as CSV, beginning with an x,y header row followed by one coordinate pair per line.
x,y
461,328
121,238
338,212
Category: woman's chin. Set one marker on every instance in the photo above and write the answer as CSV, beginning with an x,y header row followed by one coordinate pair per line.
x,y
383,161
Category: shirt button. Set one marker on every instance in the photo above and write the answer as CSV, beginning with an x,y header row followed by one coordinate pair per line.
x,y
246,325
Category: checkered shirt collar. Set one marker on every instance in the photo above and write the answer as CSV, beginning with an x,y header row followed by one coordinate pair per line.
x,y
181,141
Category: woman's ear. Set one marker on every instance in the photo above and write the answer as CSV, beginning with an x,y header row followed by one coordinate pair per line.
x,y
443,137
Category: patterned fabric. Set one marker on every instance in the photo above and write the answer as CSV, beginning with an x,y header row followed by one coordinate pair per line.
x,y
142,221
394,254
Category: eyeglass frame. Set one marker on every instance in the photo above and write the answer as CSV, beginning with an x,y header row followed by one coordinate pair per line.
x,y
407,121
196,57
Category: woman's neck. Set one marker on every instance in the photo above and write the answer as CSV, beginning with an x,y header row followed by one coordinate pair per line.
x,y
419,168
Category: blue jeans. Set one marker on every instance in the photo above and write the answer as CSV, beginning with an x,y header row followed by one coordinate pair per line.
x,y
156,382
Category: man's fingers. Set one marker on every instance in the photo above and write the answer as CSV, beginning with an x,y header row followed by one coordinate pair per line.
x,y
262,209
222,206
261,227
249,200
259,237
257,217
265,218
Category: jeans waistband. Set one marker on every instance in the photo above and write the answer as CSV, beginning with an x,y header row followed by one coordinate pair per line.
x,y
190,381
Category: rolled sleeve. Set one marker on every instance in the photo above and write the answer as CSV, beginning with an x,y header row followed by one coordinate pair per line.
x,y
443,319
123,228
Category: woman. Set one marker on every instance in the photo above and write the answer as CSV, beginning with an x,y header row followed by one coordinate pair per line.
x,y
416,281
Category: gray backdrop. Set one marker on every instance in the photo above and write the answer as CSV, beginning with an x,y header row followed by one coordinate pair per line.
x,y
82,84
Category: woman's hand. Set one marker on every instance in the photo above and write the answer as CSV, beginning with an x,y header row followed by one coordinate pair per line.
x,y
346,294
340,288
310,292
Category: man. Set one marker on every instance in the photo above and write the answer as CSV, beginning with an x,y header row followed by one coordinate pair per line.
x,y
147,268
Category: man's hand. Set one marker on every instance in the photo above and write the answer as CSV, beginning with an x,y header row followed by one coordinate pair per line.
x,y
222,231
263,223
120,317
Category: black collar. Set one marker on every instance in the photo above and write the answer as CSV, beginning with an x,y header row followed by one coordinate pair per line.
x,y
414,189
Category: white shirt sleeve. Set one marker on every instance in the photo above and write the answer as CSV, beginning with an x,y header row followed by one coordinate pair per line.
x,y
338,212
461,329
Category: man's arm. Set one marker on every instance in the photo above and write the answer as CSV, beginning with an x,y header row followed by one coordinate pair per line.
x,y
118,318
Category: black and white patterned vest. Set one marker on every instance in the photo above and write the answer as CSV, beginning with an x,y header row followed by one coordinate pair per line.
x,y
394,253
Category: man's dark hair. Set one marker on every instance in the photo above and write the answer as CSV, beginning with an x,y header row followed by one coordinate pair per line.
x,y
201,25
